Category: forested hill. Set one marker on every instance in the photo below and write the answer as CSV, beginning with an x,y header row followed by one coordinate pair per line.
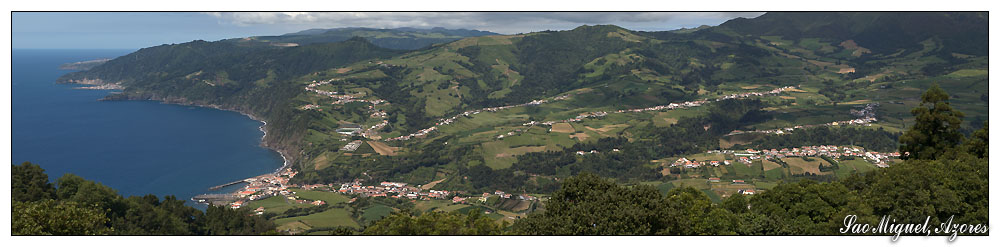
x,y
881,32
397,38
252,80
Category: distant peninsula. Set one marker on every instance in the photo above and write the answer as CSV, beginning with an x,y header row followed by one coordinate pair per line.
x,y
84,65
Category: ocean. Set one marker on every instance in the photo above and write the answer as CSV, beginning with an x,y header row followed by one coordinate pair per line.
x,y
135,147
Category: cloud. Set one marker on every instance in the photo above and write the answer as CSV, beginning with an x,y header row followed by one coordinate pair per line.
x,y
501,22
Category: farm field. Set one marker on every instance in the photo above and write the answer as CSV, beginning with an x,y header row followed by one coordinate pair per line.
x,y
332,217
276,204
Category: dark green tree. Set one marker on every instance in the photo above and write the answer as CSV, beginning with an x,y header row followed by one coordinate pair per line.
x,y
978,143
936,127
49,217
590,205
29,183
436,223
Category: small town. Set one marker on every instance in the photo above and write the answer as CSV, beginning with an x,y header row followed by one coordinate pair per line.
x,y
860,121
749,155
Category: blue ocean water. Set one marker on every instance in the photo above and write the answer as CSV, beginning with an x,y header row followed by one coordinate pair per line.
x,y
135,147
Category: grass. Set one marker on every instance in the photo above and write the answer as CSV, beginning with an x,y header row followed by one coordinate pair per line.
x,y
382,148
697,183
969,73
563,128
333,217
374,213
774,174
743,171
430,205
328,197
276,204
806,166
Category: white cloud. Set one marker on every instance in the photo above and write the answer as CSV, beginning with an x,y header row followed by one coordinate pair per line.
x,y
501,22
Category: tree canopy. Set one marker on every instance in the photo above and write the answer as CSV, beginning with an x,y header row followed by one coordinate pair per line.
x,y
83,207
936,129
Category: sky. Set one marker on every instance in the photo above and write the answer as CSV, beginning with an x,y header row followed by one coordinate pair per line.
x,y
133,30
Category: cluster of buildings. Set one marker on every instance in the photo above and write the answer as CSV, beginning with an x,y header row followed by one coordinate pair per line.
x,y
372,132
391,189
351,146
670,106
505,195
860,121
695,164
595,151
263,187
837,152
510,133
750,94
377,113
341,98
833,151
412,135
578,118
868,111
310,107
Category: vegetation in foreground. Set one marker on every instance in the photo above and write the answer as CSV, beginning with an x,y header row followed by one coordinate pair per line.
x,y
76,206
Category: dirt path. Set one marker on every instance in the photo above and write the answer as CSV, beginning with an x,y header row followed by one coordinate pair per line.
x,y
382,148
432,184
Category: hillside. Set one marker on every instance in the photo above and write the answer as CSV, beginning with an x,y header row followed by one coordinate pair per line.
x,y
250,80
520,113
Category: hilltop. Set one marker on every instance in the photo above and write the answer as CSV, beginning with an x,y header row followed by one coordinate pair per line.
x,y
397,38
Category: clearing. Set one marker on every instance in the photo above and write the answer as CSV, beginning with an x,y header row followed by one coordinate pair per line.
x,y
563,128
431,184
382,148
805,166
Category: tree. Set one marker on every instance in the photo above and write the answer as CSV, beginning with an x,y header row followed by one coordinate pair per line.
x,y
50,217
82,207
436,223
29,183
736,203
936,128
590,205
978,144
226,221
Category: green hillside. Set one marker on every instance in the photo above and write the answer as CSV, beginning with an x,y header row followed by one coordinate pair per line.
x,y
511,112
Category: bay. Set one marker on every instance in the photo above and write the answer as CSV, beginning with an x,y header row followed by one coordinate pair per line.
x,y
135,147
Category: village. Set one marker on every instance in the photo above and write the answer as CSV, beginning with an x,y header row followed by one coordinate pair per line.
x,y
749,155
860,121
270,185
866,116
265,186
